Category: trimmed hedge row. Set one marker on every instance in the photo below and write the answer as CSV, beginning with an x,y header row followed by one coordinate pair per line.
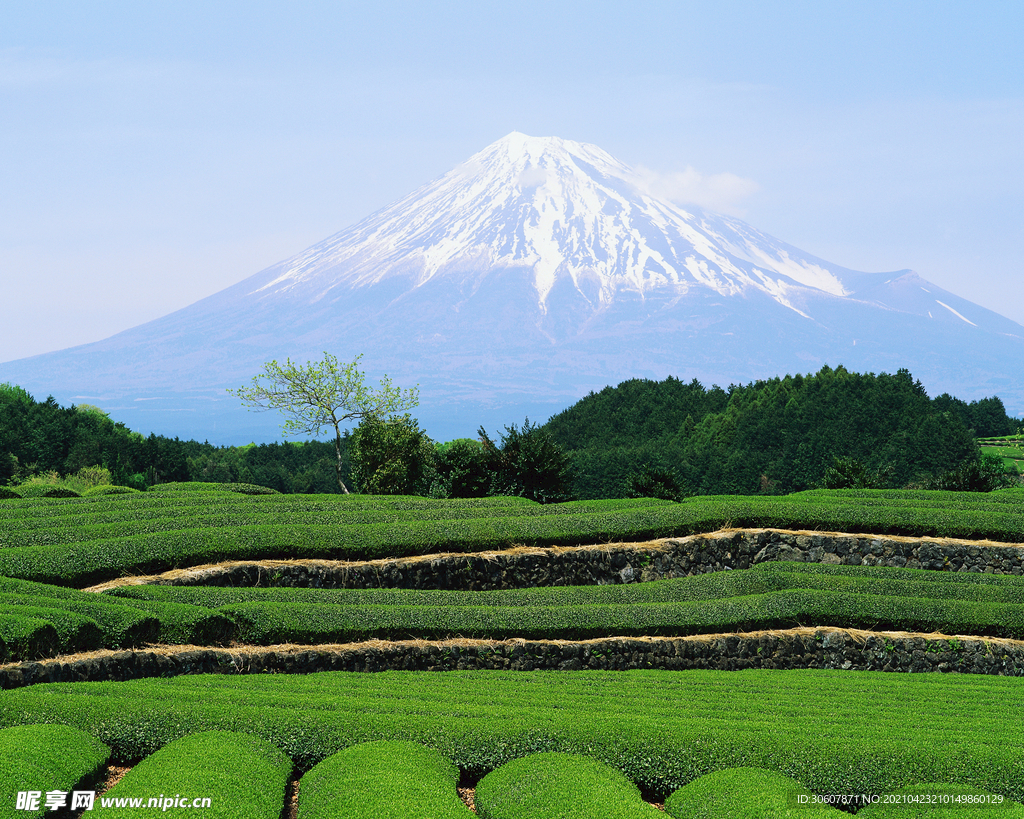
x,y
770,595
832,731
759,579
271,623
383,780
71,631
99,560
162,504
109,622
746,793
67,529
45,758
243,776
25,638
569,786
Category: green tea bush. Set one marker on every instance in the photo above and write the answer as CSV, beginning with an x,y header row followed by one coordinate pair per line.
x,y
121,625
8,494
26,638
385,780
46,758
243,776
570,786
98,491
746,793
833,731
73,632
60,492
88,540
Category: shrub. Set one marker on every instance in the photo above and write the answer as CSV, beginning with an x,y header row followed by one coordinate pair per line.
x,y
97,491
244,776
654,482
385,780
46,758
835,731
60,492
544,785
24,637
8,494
746,793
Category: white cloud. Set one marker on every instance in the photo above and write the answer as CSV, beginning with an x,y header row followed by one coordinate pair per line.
x,y
533,176
721,192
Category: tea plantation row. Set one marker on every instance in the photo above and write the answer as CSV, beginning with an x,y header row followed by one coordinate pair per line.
x,y
229,774
39,619
177,537
834,732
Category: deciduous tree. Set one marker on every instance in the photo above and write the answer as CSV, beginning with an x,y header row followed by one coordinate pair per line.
x,y
322,394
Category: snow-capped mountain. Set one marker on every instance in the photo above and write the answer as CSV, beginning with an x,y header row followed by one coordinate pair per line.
x,y
531,273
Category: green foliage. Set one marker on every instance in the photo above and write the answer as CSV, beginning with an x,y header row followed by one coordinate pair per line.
x,y
746,793
8,494
773,436
24,640
832,731
654,482
528,463
108,490
80,541
460,470
849,473
391,456
570,786
986,417
385,780
59,492
324,394
46,758
977,474
25,637
243,776
766,596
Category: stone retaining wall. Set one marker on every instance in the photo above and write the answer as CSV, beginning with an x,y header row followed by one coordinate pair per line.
x,y
615,563
798,648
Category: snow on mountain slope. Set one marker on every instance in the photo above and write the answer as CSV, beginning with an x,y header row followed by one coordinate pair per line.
x,y
566,211
537,270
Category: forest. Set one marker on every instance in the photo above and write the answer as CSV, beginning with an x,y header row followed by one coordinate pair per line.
x,y
772,437
663,438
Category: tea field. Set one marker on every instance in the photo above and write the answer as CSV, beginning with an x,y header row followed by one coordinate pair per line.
x,y
533,743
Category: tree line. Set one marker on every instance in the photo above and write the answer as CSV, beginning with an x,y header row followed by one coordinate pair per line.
x,y
774,436
663,438
43,441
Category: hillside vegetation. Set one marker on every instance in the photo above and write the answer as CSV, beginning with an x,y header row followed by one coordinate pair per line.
x,y
772,437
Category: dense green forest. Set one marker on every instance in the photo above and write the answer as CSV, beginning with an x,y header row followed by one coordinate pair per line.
x,y
773,436
642,437
41,437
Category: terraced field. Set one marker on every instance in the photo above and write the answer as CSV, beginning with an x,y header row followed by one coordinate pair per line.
x,y
589,633
1009,448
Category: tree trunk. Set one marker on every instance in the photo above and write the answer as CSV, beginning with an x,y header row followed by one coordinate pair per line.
x,y
337,464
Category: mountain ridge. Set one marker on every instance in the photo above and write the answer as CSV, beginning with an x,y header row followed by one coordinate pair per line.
x,y
537,270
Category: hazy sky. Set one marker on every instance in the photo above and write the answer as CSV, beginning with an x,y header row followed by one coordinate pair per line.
x,y
155,153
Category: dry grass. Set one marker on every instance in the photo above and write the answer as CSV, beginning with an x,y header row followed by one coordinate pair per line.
x,y
211,569
239,653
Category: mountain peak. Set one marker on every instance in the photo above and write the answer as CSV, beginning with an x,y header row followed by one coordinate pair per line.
x,y
536,270
573,217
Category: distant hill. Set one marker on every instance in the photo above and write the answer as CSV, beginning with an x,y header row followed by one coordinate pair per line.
x,y
777,435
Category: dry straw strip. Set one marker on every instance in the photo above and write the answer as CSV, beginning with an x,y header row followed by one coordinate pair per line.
x,y
244,651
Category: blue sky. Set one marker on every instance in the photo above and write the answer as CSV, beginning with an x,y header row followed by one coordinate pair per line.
x,y
158,152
